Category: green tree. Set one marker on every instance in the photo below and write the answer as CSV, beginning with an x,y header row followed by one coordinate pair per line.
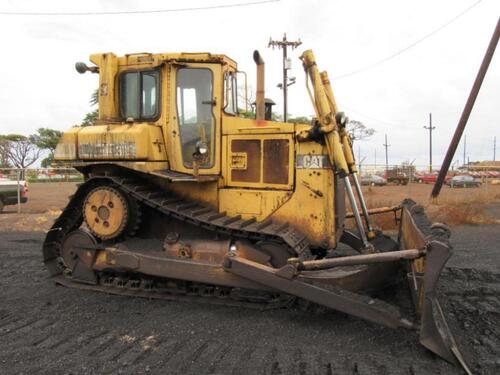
x,y
246,114
47,139
94,98
300,119
91,117
251,114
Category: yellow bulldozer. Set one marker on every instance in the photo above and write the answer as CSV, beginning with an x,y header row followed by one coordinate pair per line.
x,y
183,198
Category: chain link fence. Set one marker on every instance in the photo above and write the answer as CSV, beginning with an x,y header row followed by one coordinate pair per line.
x,y
14,182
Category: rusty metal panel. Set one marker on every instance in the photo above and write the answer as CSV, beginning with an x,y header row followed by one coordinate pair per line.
x,y
252,148
276,161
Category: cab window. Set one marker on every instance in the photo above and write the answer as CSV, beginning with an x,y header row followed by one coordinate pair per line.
x,y
194,90
139,95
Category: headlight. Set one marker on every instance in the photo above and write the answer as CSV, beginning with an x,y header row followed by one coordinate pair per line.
x,y
201,148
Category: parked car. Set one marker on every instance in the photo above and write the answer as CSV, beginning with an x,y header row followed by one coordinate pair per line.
x,y
464,181
373,180
8,192
431,178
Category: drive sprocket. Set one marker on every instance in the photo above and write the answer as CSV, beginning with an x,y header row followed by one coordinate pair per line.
x,y
107,212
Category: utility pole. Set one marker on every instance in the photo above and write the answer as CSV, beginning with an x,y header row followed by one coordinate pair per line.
x,y
465,146
495,148
386,145
452,148
430,128
284,44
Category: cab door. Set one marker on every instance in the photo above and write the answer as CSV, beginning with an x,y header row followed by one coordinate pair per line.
x,y
195,116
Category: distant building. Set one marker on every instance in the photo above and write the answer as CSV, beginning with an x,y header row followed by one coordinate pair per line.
x,y
487,165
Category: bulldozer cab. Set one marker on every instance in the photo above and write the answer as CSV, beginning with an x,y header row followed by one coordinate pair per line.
x,y
165,108
189,96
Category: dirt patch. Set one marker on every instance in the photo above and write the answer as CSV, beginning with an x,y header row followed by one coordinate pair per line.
x,y
453,207
28,221
45,197
45,201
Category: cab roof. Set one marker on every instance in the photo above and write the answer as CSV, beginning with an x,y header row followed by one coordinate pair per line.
x,y
156,59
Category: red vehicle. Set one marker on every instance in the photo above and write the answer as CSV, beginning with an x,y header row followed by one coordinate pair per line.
x,y
396,175
430,178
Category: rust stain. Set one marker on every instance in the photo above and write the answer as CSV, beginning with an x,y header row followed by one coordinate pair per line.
x,y
276,161
252,148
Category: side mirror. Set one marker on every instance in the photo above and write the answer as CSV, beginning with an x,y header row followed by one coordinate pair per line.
x,y
83,68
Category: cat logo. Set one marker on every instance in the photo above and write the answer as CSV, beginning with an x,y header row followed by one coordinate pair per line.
x,y
312,162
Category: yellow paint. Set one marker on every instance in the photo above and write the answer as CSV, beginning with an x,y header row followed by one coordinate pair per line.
x,y
325,108
121,142
232,125
306,211
312,212
66,147
251,203
108,68
105,213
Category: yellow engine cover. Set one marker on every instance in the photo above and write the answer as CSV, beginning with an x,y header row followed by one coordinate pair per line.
x,y
112,142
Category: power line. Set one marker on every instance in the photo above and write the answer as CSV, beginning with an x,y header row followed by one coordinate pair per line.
x,y
418,41
372,118
208,7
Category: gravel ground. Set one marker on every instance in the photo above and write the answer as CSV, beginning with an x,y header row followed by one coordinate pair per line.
x,y
54,330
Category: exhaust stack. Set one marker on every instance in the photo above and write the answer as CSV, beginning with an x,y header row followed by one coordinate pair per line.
x,y
260,101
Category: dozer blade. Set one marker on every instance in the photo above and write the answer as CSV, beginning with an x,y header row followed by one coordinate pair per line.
x,y
423,250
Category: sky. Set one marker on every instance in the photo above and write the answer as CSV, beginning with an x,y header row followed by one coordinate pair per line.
x,y
40,87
